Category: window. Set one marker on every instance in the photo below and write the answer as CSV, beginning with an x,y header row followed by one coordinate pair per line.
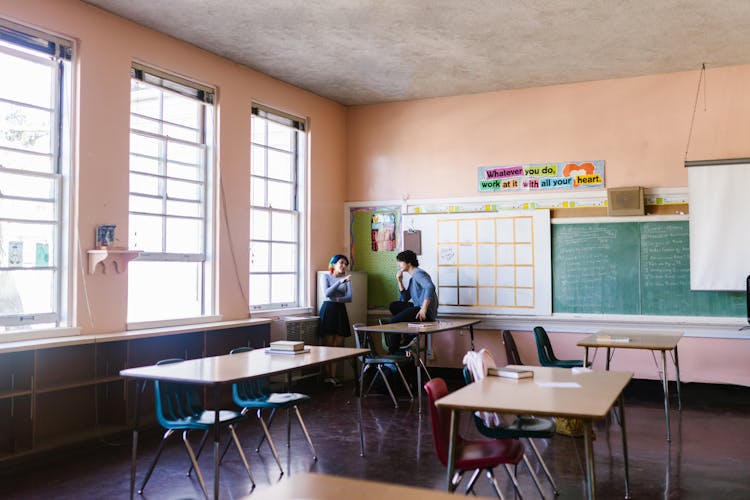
x,y
276,210
171,134
35,90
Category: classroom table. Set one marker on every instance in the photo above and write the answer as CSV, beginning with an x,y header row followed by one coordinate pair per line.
x,y
324,487
552,392
219,371
441,325
651,340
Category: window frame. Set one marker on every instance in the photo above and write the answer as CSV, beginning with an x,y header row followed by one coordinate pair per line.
x,y
58,54
298,210
175,85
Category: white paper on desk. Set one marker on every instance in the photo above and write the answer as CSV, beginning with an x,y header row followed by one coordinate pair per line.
x,y
561,385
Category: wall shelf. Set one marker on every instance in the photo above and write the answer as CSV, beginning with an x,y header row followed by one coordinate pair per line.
x,y
120,258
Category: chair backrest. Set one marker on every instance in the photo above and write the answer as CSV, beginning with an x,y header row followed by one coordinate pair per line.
x,y
440,418
175,401
362,339
247,389
544,347
511,351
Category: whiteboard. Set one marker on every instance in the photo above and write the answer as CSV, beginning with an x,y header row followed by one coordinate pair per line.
x,y
488,263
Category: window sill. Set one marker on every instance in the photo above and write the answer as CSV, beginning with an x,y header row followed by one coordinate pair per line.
x,y
287,311
146,325
37,334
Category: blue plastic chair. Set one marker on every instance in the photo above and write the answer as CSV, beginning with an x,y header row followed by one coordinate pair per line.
x,y
377,361
254,395
547,355
179,408
526,426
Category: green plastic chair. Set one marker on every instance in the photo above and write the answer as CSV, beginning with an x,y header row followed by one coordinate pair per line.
x,y
179,408
254,395
374,360
547,355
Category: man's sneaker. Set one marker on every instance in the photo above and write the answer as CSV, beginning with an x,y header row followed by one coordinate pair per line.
x,y
330,381
337,383
383,321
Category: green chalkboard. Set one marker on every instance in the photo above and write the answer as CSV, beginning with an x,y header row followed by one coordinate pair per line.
x,y
380,265
631,268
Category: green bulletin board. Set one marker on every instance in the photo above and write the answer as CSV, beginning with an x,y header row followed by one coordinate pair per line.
x,y
380,266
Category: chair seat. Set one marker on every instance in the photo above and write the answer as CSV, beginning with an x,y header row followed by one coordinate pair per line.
x,y
205,420
488,453
565,363
274,400
522,427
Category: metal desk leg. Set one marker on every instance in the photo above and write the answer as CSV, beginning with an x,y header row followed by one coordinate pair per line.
x,y
585,356
452,450
471,334
589,448
217,437
677,377
419,375
358,396
609,350
665,385
624,445
139,387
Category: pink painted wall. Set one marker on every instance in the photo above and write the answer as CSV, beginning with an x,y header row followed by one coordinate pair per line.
x,y
431,149
106,46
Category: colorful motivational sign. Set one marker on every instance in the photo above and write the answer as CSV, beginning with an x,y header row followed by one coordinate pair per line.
x,y
563,175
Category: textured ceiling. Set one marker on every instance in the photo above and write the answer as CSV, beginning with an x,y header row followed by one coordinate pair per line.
x,y
374,51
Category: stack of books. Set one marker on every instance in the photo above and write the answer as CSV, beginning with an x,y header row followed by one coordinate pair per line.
x,y
511,372
287,347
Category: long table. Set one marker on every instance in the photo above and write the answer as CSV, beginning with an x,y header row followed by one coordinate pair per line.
x,y
651,340
324,487
219,371
441,325
553,392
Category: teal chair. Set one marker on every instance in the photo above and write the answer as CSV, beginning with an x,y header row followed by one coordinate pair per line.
x,y
179,408
547,355
254,395
378,361
524,427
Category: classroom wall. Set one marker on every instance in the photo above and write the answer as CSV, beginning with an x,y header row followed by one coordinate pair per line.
x,y
106,46
639,126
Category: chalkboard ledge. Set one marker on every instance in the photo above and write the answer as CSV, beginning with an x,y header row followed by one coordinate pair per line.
x,y
699,326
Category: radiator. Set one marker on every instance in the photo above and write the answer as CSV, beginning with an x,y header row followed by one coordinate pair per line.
x,y
304,328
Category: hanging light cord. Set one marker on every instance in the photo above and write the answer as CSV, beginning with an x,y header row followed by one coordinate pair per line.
x,y
701,79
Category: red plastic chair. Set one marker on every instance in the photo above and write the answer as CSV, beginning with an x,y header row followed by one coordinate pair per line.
x,y
471,455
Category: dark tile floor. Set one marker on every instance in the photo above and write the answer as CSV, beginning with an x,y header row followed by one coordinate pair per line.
x,y
708,457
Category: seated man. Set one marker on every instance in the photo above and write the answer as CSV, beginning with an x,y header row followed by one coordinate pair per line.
x,y
421,291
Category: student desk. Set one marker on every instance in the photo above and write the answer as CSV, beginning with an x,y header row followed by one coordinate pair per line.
x,y
323,487
551,392
441,325
219,371
641,339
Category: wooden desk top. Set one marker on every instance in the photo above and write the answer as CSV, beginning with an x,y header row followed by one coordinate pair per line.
x,y
592,397
310,486
636,339
231,368
440,325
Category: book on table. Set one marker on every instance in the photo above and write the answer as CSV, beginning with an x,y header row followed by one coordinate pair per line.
x,y
287,345
423,324
287,352
511,372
